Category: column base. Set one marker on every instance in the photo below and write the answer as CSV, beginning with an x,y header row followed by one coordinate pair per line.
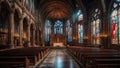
x,y
11,46
28,44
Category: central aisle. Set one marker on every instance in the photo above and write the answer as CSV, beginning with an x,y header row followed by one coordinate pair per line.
x,y
58,58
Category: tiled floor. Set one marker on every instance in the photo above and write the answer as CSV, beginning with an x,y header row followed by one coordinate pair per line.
x,y
58,58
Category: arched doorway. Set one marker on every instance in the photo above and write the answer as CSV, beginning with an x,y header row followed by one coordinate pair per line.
x,y
32,34
4,24
25,26
16,28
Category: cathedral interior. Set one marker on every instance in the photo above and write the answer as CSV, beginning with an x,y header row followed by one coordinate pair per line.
x,y
59,33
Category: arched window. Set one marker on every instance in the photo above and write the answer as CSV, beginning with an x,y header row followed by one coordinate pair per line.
x,y
68,31
47,30
58,27
27,2
3,18
95,27
16,22
80,26
115,22
80,33
80,15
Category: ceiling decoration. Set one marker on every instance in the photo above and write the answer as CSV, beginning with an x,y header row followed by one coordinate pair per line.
x,y
62,9
55,9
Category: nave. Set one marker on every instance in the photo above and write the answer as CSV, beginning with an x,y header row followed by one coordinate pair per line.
x,y
69,57
31,31
58,58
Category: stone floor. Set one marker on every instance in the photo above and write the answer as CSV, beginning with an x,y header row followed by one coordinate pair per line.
x,y
58,58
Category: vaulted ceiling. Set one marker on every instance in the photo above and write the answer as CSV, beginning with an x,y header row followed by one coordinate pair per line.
x,y
61,9
56,9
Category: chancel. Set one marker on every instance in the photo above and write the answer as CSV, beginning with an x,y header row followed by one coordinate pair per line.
x,y
59,33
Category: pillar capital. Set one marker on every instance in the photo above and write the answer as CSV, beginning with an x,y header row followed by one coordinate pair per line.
x,y
21,17
12,10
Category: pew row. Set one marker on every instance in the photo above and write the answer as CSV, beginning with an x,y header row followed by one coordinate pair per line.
x,y
14,62
34,54
85,56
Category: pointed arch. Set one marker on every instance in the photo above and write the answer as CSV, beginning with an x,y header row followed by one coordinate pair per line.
x,y
95,27
115,22
69,31
58,27
47,30
80,33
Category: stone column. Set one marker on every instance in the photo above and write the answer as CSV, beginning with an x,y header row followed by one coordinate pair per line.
x,y
64,32
11,29
38,37
52,34
33,36
28,35
43,33
20,31
64,28
105,40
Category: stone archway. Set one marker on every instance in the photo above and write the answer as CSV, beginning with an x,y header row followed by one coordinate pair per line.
x,y
16,28
24,34
4,24
32,34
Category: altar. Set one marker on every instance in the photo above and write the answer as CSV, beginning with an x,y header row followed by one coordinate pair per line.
x,y
58,45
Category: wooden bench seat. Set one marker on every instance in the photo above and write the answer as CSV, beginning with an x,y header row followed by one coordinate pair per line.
x,y
89,59
14,62
86,55
106,63
34,54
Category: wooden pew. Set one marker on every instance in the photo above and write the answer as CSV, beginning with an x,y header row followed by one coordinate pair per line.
x,y
93,54
85,54
106,63
33,53
87,60
14,62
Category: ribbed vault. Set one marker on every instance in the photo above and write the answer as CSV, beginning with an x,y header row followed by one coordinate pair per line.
x,y
55,9
62,9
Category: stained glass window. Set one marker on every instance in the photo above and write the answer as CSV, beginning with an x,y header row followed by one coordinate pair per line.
x,y
115,23
1,24
47,30
95,27
80,33
80,26
58,27
27,2
69,31
79,15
